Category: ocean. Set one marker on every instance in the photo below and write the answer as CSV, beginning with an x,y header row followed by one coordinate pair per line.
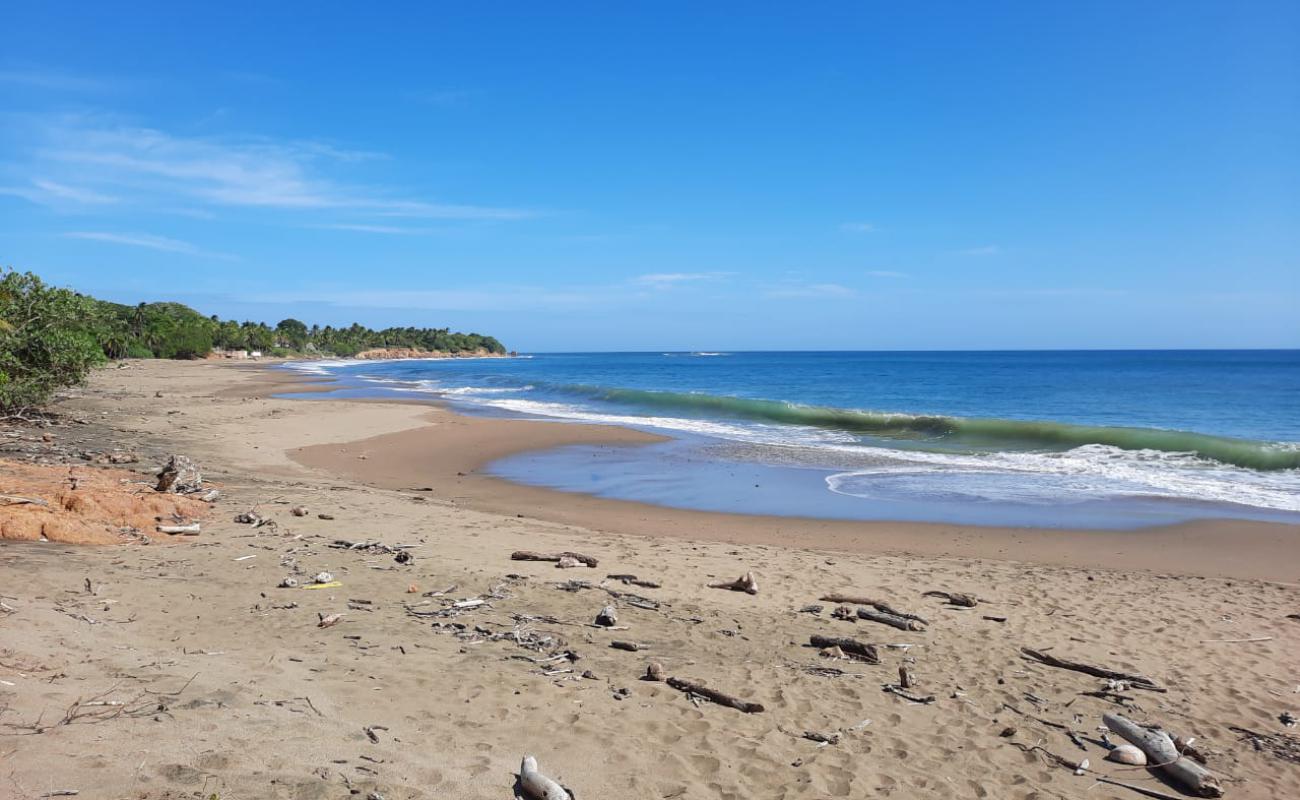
x,y
1107,439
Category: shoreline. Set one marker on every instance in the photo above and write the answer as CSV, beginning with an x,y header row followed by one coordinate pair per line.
x,y
448,455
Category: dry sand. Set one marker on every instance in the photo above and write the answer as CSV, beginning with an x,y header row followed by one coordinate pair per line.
x,y
197,677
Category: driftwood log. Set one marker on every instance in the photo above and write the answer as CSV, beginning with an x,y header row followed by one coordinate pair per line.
x,y
529,555
893,620
608,617
188,530
879,605
722,699
631,647
746,583
1136,681
861,650
537,786
956,598
1162,755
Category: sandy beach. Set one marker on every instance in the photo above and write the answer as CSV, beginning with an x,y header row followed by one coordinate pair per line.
x,y
178,669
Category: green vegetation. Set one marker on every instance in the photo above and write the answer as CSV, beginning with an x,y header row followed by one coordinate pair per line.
x,y
51,337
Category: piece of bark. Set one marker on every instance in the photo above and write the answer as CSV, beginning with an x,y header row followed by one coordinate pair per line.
x,y
189,530
607,618
1163,756
721,698
893,620
537,786
529,555
1136,681
956,598
745,583
861,650
905,677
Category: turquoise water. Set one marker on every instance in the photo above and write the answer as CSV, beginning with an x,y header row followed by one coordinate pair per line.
x,y
1063,438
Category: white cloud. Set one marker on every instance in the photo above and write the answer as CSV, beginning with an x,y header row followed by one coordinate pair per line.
x,y
51,81
664,280
858,227
392,230
983,250
885,273
149,166
793,289
148,241
52,193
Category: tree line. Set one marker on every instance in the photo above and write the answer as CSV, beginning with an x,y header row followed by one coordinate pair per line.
x,y
50,337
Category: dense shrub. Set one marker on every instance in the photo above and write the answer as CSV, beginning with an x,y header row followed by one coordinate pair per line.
x,y
48,340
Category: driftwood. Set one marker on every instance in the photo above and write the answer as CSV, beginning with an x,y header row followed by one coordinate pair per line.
x,y
906,695
537,786
328,621
905,677
607,618
955,598
1282,745
893,620
879,605
722,699
1136,681
1163,756
631,647
745,583
529,555
861,650
632,580
15,500
188,530
1073,767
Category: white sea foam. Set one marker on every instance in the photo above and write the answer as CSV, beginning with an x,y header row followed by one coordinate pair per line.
x,y
1085,473
322,366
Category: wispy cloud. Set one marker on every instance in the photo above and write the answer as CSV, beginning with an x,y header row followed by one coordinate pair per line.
x,y
665,280
983,250
477,298
150,166
859,227
794,289
51,81
885,273
392,230
52,193
148,241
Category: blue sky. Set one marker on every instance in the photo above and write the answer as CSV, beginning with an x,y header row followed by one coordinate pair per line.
x,y
671,175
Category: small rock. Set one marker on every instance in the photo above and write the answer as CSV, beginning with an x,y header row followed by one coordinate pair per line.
x,y
1007,732
325,516
298,511
654,671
